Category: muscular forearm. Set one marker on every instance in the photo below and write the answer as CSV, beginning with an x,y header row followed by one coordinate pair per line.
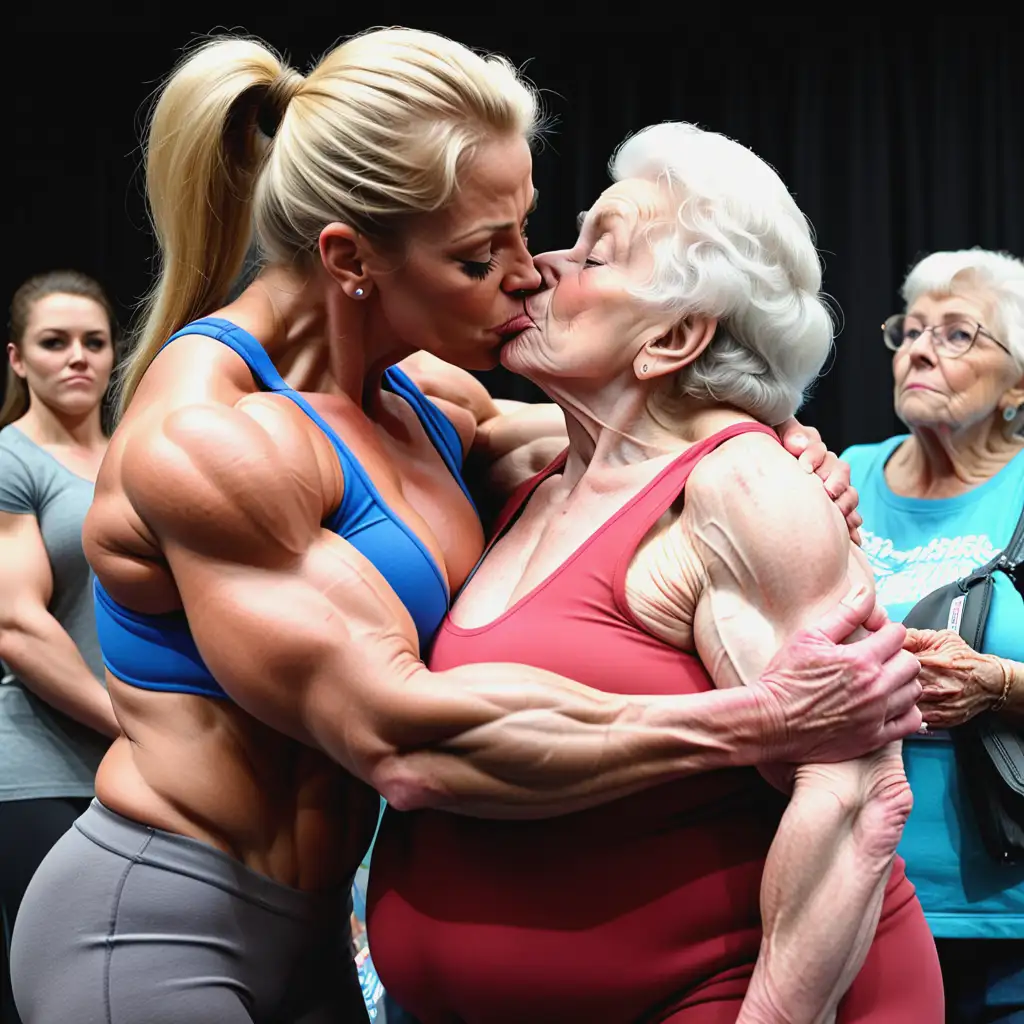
x,y
493,740
823,887
46,660
508,741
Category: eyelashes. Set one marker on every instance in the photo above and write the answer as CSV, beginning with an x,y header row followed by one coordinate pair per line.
x,y
52,344
476,270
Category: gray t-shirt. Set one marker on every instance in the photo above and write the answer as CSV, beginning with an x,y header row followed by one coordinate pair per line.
x,y
43,752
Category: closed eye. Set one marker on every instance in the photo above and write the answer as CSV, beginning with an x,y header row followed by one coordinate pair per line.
x,y
477,269
592,263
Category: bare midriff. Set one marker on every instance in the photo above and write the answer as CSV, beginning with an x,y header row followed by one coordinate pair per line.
x,y
205,769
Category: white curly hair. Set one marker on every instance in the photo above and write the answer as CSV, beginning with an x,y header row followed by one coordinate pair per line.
x,y
998,273
739,250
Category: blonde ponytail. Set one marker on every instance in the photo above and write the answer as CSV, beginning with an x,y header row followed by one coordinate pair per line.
x,y
203,153
374,136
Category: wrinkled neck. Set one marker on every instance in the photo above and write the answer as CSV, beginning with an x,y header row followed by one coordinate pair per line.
x,y
941,463
624,423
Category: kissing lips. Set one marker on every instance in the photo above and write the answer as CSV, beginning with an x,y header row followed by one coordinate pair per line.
x,y
515,326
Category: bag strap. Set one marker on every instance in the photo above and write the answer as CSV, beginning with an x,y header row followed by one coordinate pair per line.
x,y
1014,551
1012,558
1007,560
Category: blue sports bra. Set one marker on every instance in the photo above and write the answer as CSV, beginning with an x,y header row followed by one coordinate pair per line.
x,y
157,652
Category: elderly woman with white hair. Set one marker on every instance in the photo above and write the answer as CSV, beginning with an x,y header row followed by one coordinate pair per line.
x,y
938,503
672,548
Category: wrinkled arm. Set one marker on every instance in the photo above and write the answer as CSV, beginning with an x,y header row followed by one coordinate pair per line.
x,y
32,641
960,682
303,633
1014,672
776,553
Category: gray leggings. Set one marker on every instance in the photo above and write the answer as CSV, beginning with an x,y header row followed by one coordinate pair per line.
x,y
125,924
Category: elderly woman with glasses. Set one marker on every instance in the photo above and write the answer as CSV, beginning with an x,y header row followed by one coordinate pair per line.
x,y
938,503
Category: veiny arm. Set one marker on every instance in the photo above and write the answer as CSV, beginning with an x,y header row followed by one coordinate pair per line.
x,y
776,553
305,635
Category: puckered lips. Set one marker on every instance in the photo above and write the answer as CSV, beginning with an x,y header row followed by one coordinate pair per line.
x,y
513,326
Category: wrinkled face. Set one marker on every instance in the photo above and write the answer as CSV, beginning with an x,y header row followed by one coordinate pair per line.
x,y
588,325
458,289
66,355
933,392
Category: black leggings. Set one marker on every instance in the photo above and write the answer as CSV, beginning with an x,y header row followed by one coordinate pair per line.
x,y
28,830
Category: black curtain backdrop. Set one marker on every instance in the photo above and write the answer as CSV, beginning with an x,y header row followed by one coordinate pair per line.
x,y
897,138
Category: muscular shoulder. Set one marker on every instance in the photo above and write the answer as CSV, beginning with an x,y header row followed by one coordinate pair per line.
x,y
752,474
751,524
212,477
762,525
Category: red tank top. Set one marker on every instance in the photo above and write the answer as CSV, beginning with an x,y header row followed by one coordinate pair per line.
x,y
604,914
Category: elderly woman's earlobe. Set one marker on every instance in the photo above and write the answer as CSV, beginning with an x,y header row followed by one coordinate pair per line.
x,y
1011,409
1012,419
677,348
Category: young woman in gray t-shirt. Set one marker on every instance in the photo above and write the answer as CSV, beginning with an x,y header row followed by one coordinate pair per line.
x,y
56,720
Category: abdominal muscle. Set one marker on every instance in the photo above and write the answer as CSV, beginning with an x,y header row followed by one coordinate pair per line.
x,y
206,769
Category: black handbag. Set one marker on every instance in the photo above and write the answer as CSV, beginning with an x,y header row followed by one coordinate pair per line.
x,y
989,751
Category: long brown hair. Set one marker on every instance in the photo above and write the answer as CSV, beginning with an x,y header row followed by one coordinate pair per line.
x,y
54,282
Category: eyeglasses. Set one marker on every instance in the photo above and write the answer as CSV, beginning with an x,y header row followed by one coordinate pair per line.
x,y
950,340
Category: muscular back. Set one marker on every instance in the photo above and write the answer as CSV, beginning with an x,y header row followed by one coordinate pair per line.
x,y
201,446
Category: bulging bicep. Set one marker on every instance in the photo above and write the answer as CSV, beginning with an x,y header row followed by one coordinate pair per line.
x,y
734,639
777,557
314,648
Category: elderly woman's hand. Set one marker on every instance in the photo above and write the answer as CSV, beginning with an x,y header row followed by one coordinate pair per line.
x,y
957,681
806,444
